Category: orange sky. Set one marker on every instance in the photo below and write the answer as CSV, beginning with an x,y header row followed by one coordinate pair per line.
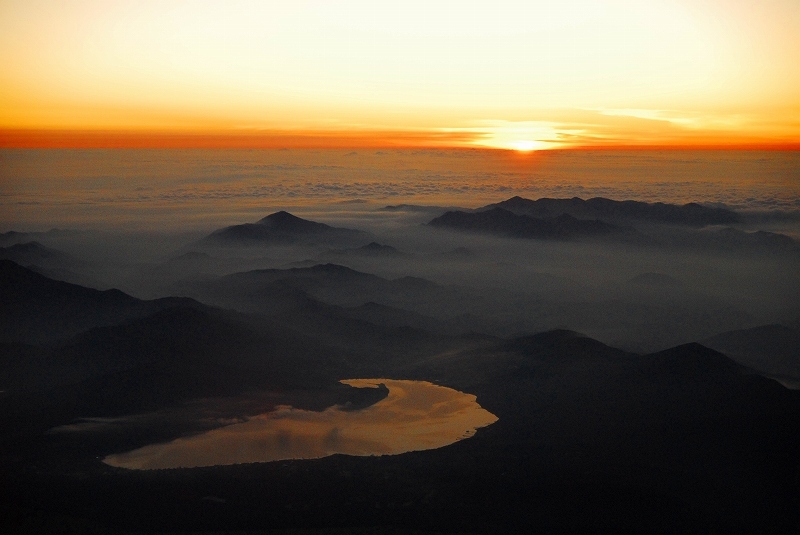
x,y
519,75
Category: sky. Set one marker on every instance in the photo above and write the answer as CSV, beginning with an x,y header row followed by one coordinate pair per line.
x,y
508,74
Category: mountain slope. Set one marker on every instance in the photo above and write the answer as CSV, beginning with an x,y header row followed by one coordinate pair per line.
x,y
36,309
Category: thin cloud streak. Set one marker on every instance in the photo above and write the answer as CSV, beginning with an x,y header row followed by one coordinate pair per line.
x,y
577,128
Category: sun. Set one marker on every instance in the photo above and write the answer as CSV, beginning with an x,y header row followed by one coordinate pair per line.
x,y
525,145
520,136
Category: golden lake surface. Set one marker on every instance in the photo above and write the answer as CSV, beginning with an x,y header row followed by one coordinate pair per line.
x,y
415,415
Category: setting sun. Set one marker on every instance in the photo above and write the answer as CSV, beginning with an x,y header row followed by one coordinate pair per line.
x,y
525,145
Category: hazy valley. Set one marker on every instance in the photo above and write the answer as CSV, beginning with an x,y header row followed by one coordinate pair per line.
x,y
112,343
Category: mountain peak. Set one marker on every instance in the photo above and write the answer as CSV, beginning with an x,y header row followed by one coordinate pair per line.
x,y
283,218
282,214
695,360
281,227
376,248
560,345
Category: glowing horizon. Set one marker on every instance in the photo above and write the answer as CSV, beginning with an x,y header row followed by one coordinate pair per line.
x,y
510,75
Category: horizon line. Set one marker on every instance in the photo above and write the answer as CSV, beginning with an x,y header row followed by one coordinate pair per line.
x,y
21,138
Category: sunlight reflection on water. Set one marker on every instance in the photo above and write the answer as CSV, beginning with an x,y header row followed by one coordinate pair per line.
x,y
416,415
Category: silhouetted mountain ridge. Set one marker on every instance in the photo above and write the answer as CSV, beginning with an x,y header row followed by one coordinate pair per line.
x,y
32,252
759,240
696,361
52,263
37,309
503,222
331,283
560,344
691,214
13,237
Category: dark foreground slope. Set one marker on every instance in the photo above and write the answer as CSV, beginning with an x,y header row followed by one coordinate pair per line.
x,y
589,439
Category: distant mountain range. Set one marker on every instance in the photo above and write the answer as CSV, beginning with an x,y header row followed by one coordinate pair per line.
x,y
283,228
758,241
688,225
691,214
13,237
506,223
264,291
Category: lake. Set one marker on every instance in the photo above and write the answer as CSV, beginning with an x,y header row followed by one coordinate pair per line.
x,y
415,415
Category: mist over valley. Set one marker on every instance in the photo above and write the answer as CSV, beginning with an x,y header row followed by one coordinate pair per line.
x,y
632,362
